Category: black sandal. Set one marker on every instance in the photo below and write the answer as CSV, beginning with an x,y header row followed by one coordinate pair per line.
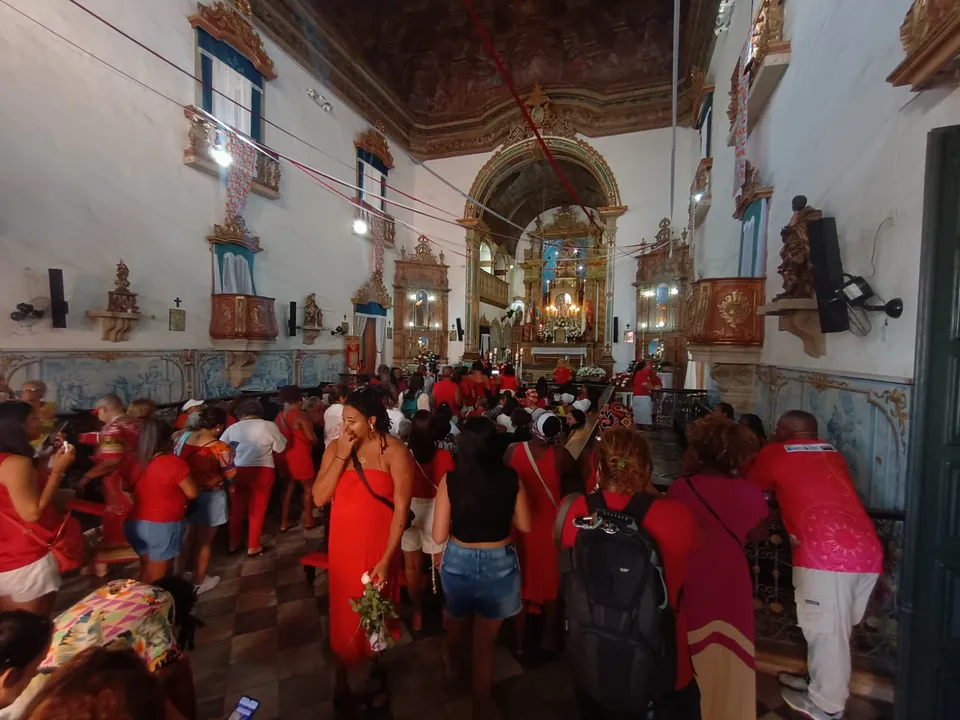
x,y
376,697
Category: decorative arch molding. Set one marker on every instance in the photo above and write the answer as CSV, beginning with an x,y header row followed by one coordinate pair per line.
x,y
509,159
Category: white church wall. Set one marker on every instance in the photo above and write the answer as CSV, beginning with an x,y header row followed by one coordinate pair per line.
x,y
460,172
854,145
93,173
641,164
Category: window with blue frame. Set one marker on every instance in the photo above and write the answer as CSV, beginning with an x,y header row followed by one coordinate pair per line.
x,y
371,179
238,100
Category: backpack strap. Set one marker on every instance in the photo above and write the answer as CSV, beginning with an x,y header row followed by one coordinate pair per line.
x,y
638,506
562,511
595,502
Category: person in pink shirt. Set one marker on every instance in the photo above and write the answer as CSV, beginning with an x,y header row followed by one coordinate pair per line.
x,y
837,557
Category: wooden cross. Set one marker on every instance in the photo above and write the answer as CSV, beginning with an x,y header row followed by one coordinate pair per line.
x,y
177,301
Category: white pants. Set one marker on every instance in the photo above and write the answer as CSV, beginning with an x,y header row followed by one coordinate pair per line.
x,y
829,604
419,536
642,410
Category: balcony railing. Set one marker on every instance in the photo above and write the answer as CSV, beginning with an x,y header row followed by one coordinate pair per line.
x,y
380,225
874,641
202,138
493,290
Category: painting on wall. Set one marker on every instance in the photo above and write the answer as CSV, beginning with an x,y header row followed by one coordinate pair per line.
x,y
178,320
866,420
78,380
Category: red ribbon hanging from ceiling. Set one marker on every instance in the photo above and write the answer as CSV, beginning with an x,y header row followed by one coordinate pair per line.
x,y
495,56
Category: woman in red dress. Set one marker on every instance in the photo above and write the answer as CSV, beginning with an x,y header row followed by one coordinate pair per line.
x,y
540,464
368,474
297,460
508,380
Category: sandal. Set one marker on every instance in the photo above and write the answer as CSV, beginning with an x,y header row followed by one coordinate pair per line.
x,y
258,553
376,696
289,527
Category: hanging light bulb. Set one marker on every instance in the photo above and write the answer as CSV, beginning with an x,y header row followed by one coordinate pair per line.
x,y
220,155
360,226
698,197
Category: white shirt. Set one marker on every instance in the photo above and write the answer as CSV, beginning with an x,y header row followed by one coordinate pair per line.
x,y
583,405
396,417
427,383
332,423
504,419
256,442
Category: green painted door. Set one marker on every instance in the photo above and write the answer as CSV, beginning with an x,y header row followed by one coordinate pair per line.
x,y
930,642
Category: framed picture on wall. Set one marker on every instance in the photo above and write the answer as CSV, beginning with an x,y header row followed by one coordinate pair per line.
x,y
753,240
178,320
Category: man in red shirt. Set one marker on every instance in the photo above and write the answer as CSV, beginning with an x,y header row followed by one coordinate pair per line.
x,y
445,390
837,557
563,374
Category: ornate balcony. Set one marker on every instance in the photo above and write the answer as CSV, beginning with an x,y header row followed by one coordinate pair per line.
x,y
381,226
701,193
243,317
723,311
201,139
766,58
493,290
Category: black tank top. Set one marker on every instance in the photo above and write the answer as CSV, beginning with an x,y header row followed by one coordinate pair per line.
x,y
482,512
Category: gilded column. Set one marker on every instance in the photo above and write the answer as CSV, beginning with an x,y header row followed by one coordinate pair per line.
x,y
471,348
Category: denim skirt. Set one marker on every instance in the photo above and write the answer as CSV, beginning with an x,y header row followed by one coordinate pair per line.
x,y
481,581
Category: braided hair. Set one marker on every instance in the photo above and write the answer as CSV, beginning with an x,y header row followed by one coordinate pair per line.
x,y
624,462
369,401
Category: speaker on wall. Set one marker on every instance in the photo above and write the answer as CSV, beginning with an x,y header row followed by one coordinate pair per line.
x,y
292,319
616,329
58,303
827,275
459,330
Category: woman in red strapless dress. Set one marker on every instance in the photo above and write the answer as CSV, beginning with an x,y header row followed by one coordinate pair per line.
x,y
296,462
366,524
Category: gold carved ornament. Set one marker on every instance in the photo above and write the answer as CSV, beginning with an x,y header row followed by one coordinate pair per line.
x,y
930,35
375,144
373,290
234,232
735,309
226,24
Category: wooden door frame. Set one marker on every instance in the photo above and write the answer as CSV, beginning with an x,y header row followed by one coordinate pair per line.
x,y
929,236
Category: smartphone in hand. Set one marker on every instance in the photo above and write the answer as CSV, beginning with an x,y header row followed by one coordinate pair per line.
x,y
246,708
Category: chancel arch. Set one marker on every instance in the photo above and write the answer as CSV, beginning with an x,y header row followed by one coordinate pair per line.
x,y
518,183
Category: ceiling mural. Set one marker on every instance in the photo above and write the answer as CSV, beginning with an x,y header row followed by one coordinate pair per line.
x,y
418,68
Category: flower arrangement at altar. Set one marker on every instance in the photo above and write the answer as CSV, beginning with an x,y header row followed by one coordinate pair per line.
x,y
430,359
624,382
374,611
591,372
571,325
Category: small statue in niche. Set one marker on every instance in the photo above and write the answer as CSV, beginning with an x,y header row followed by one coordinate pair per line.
x,y
120,299
795,267
312,316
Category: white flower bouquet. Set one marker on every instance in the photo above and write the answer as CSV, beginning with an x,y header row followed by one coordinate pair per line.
x,y
591,372
374,611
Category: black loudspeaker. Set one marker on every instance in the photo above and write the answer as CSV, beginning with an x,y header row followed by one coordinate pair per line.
x,y
616,329
292,319
828,275
459,330
58,303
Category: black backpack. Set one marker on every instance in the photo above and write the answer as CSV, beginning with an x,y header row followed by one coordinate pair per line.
x,y
621,631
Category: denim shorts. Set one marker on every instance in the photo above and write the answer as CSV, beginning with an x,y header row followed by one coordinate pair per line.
x,y
209,509
157,540
480,581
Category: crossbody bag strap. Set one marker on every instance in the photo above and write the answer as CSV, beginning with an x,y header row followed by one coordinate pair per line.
x,y
533,463
420,468
178,450
562,513
363,478
712,511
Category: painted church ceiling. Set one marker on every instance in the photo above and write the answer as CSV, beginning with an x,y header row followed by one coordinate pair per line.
x,y
418,68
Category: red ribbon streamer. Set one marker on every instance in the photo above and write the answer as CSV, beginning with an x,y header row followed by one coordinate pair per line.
x,y
495,56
